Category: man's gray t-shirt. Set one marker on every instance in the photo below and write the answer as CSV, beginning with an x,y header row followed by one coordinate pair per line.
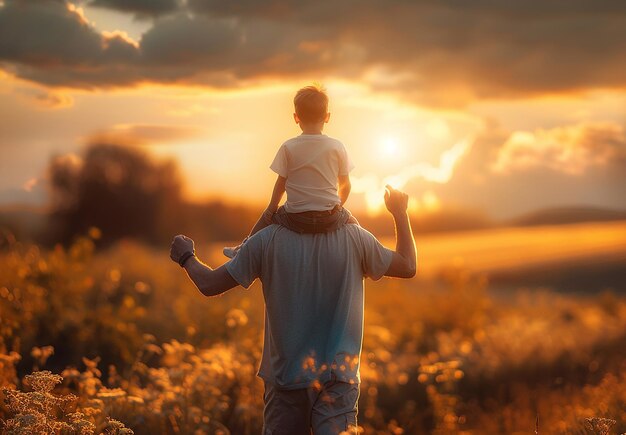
x,y
313,291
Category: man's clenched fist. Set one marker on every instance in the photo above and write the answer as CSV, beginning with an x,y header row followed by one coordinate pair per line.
x,y
181,246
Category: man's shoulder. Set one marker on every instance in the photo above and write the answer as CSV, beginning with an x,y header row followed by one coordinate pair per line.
x,y
270,232
359,231
278,242
264,234
267,234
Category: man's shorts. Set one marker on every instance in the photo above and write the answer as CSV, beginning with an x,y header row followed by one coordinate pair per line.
x,y
327,410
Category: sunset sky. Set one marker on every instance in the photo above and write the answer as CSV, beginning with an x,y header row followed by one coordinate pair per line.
x,y
499,106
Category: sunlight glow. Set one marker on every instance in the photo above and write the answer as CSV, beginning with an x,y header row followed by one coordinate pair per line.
x,y
373,187
431,201
80,12
389,147
118,34
438,129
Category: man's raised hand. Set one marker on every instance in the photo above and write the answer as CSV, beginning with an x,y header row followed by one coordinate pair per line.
x,y
180,245
396,201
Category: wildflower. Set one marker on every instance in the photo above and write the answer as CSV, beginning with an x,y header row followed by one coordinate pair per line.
x,y
41,354
600,426
153,349
115,427
92,366
136,400
94,233
43,381
113,393
80,424
142,287
236,317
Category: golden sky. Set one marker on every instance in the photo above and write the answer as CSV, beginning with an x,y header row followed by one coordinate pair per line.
x,y
505,107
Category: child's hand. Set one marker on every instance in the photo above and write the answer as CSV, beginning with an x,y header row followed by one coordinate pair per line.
x,y
396,201
180,245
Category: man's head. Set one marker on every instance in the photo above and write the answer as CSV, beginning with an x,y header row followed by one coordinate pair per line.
x,y
311,105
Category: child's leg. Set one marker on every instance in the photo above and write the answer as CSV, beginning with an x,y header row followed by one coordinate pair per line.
x,y
314,222
264,220
351,219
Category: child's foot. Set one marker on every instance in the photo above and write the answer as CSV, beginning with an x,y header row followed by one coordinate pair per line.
x,y
231,251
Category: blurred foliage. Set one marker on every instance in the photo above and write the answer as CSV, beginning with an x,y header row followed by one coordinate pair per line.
x,y
140,348
126,194
118,189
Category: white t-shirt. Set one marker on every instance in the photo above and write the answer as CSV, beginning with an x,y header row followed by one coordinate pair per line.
x,y
311,163
313,291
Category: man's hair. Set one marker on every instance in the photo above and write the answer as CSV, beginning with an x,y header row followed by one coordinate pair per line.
x,y
311,103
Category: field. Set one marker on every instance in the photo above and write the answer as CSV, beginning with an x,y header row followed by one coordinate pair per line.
x,y
512,248
504,331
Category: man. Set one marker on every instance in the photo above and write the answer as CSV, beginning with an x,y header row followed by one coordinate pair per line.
x,y
313,291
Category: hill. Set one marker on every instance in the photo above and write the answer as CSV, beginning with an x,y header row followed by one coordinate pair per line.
x,y
568,215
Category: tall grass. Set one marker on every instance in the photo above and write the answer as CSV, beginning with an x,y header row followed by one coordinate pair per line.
x,y
136,347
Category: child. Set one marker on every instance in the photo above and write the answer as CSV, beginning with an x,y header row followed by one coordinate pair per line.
x,y
314,171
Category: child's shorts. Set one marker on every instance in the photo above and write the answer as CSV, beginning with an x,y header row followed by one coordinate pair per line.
x,y
311,222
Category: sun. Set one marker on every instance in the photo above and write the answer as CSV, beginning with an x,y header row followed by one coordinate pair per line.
x,y
389,147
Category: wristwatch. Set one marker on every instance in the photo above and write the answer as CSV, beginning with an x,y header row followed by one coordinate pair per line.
x,y
186,256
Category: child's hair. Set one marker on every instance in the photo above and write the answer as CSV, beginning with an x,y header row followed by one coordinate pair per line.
x,y
311,103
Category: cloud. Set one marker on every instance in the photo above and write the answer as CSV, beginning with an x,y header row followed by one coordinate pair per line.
x,y
144,134
374,187
569,149
46,99
51,42
30,184
438,53
182,40
141,8
547,182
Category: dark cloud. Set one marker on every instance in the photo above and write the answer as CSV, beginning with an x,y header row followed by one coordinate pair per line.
x,y
441,53
46,33
182,41
270,9
50,42
141,8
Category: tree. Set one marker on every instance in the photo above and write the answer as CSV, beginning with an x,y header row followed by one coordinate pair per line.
x,y
117,189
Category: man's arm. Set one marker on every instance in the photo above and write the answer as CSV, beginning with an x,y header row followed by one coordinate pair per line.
x,y
404,260
210,282
344,188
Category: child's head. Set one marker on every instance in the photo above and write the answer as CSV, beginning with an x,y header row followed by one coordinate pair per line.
x,y
311,105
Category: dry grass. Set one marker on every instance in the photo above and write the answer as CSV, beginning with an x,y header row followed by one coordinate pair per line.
x,y
135,343
510,248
